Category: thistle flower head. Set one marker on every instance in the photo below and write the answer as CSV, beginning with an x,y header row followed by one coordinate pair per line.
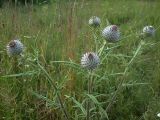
x,y
14,47
111,33
149,30
90,60
94,21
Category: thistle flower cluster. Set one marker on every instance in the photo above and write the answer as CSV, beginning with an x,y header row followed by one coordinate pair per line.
x,y
14,48
94,21
110,33
90,60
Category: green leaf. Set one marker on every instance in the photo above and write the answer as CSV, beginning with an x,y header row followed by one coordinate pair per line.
x,y
80,106
102,111
49,101
29,73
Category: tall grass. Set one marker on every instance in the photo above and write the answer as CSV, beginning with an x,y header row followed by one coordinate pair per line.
x,y
125,86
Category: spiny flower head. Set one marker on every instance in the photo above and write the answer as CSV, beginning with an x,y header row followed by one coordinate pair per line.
x,y
90,60
111,33
94,21
15,47
149,30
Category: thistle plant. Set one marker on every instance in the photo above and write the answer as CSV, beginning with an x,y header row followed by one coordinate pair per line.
x,y
14,50
90,61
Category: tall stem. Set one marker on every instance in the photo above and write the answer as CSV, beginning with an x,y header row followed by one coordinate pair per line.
x,y
102,48
56,89
120,86
89,92
19,81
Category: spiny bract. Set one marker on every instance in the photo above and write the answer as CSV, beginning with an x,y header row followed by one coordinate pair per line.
x,y
111,33
94,21
90,60
149,31
15,47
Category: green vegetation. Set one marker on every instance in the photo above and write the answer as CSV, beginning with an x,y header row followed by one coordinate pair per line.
x,y
22,2
126,85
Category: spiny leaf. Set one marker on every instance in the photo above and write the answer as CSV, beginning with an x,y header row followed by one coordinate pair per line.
x,y
78,104
94,99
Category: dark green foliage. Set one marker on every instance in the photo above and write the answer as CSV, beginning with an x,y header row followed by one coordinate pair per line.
x,y
32,1
22,2
1,3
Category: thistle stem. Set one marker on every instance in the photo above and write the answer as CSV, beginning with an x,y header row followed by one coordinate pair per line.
x,y
89,92
96,42
102,48
56,89
19,82
15,65
122,81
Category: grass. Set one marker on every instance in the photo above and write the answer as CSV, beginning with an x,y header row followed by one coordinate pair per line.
x,y
126,85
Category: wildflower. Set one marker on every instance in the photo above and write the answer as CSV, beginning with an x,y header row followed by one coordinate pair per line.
x,y
15,47
94,21
148,31
90,60
158,115
111,33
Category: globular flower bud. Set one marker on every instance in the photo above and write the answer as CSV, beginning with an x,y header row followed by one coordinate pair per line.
x,y
149,31
15,47
90,60
94,21
111,33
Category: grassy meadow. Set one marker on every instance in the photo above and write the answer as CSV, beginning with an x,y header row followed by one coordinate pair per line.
x,y
126,84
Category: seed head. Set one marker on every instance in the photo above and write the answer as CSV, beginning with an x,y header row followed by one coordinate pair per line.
x,y
14,47
90,60
149,31
111,33
94,21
